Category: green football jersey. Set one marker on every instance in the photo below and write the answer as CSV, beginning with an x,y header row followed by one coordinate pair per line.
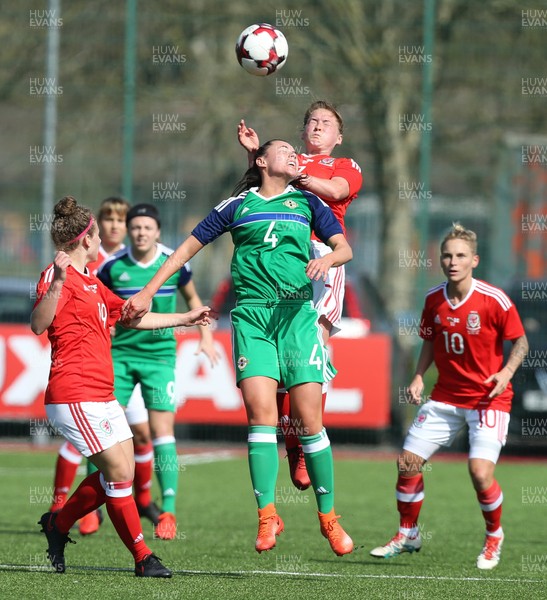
x,y
272,241
125,276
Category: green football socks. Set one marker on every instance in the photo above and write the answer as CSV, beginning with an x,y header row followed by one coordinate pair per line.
x,y
263,462
320,465
166,467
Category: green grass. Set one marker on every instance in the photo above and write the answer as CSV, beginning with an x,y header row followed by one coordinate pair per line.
x,y
214,554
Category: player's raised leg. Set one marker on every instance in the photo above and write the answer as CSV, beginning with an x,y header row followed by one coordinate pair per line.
x,y
306,407
91,522
68,461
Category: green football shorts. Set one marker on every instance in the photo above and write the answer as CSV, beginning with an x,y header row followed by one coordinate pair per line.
x,y
281,340
157,381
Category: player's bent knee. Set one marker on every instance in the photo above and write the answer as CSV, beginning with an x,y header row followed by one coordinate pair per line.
x,y
482,474
116,468
409,464
141,435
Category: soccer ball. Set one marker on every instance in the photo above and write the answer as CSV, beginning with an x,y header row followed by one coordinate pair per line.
x,y
261,49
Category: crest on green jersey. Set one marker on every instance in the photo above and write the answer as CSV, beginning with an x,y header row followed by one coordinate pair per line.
x,y
290,204
242,362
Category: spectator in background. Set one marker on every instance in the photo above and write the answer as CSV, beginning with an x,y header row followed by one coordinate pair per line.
x,y
112,229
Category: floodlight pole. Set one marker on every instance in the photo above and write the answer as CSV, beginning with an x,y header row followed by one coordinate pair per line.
x,y
50,126
425,139
129,98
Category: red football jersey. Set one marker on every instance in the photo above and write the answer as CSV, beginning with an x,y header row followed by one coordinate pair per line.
x,y
468,343
81,363
327,167
101,257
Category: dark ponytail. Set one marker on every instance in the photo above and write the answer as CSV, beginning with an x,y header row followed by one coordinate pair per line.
x,y
252,176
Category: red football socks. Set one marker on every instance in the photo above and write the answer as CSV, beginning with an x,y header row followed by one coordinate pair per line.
x,y
410,496
124,515
68,461
144,464
88,496
490,501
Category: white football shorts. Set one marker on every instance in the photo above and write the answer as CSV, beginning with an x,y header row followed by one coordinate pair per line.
x,y
437,424
136,412
90,427
328,295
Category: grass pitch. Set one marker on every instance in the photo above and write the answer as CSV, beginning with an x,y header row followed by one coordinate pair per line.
x,y
214,558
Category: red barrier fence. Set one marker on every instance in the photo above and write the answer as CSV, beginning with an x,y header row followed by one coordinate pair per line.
x,y
359,396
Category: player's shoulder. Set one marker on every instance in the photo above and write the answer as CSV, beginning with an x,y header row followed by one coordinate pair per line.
x,y
43,283
323,159
113,259
232,202
435,297
75,279
164,250
313,199
347,163
436,291
46,276
493,293
118,255
331,161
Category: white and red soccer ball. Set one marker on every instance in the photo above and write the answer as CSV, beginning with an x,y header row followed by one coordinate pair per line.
x,y
261,49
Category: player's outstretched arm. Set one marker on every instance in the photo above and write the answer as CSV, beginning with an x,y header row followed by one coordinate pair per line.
x,y
43,314
416,387
196,316
248,138
503,377
139,304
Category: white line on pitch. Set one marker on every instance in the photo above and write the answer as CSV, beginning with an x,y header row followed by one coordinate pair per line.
x,y
283,573
358,576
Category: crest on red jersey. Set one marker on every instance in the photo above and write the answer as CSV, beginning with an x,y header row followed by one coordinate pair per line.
x,y
473,322
327,161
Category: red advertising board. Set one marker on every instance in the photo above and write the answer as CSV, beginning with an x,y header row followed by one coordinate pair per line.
x,y
358,397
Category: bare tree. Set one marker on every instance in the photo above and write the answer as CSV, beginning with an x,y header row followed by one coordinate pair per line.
x,y
368,38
